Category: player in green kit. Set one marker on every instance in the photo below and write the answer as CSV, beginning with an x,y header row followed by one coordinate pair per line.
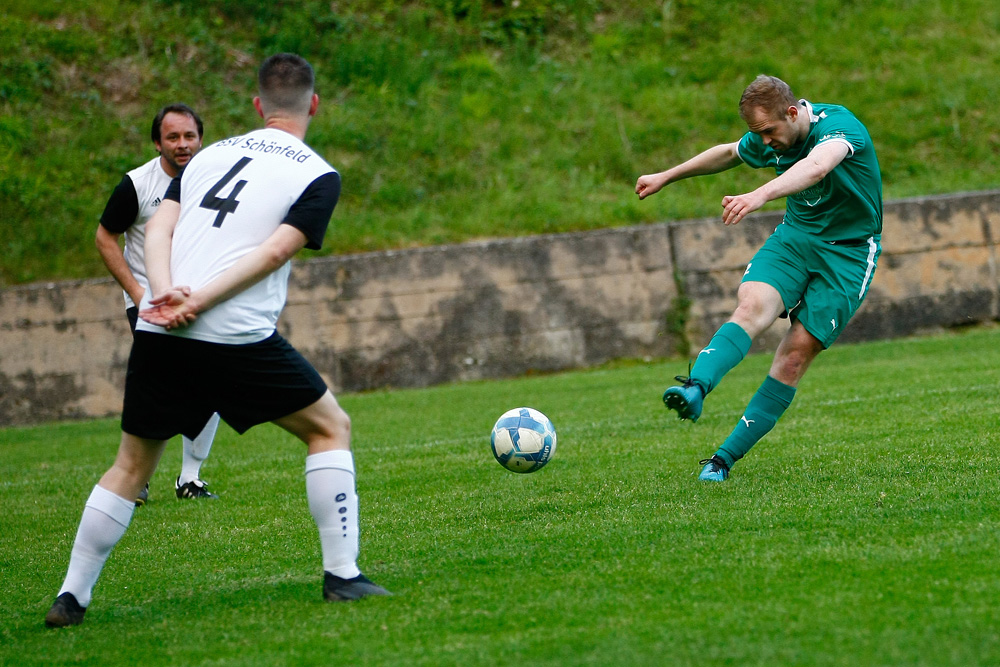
x,y
814,269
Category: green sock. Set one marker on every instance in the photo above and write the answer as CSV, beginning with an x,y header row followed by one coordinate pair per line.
x,y
726,349
762,413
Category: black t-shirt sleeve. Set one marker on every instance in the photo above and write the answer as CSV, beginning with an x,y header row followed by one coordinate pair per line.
x,y
174,189
122,207
310,214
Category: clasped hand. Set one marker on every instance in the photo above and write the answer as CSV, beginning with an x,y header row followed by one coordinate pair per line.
x,y
171,310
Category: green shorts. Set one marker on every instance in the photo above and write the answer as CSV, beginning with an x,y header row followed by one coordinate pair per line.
x,y
822,284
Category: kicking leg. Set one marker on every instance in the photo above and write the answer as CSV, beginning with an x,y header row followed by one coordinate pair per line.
x,y
794,355
759,306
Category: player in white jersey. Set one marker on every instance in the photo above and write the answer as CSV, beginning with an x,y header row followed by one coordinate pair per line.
x,y
177,135
217,254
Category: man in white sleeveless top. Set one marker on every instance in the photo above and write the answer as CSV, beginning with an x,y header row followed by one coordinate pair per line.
x,y
177,134
217,258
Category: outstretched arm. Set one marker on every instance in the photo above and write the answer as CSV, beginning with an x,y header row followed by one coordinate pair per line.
x,y
715,159
801,175
179,306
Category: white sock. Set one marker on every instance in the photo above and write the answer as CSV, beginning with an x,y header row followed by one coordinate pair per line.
x,y
196,451
334,506
105,518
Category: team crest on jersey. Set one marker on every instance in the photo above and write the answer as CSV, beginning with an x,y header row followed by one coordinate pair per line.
x,y
811,195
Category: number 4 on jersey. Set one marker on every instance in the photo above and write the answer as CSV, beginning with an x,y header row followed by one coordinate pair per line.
x,y
226,205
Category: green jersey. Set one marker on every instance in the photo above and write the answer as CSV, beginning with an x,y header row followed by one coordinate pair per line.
x,y
847,204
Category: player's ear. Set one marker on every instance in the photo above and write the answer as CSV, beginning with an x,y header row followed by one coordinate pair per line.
x,y
792,112
256,105
313,104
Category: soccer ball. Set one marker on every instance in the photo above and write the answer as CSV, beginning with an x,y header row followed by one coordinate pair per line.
x,y
523,440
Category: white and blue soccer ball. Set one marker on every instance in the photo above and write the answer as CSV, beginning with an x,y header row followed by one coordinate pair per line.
x,y
523,440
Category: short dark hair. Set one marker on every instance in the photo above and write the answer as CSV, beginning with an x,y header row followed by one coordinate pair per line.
x,y
286,81
769,93
174,108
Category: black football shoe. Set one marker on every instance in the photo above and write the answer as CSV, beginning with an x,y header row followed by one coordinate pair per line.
x,y
193,489
65,611
336,589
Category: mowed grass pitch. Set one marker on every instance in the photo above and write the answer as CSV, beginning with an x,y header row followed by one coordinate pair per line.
x,y
865,530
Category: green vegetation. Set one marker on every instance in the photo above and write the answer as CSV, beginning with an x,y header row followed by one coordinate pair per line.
x,y
864,530
459,119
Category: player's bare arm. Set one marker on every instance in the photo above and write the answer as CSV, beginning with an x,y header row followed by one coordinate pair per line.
x,y
803,174
167,303
715,159
179,306
159,234
253,267
114,259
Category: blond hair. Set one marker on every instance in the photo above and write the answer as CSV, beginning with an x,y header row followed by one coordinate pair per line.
x,y
769,93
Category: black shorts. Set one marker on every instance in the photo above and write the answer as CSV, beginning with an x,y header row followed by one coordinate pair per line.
x,y
133,318
174,384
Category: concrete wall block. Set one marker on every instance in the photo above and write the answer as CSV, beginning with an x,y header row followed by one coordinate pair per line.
x,y
77,346
990,212
31,397
713,291
884,318
607,252
709,245
938,222
61,304
950,270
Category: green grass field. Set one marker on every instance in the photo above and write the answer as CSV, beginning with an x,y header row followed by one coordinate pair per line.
x,y
453,120
865,530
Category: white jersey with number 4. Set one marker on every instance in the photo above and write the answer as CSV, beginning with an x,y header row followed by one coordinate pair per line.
x,y
234,194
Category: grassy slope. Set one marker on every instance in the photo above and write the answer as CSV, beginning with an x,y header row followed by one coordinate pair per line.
x,y
862,531
458,119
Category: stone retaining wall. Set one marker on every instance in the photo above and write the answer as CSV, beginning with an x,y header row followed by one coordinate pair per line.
x,y
500,308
